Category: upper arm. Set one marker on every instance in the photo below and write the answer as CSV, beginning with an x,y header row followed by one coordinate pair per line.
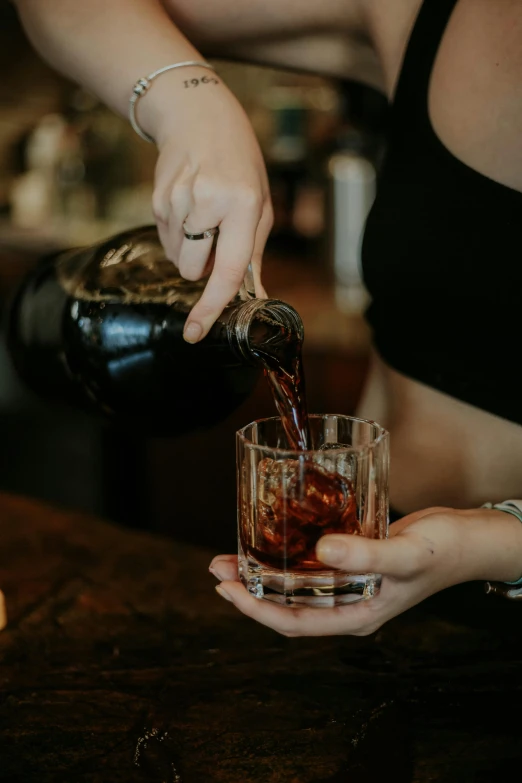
x,y
327,38
236,21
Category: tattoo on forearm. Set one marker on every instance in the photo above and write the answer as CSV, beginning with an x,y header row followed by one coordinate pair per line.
x,y
204,80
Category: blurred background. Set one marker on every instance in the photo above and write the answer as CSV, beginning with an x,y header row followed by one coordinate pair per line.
x,y
72,172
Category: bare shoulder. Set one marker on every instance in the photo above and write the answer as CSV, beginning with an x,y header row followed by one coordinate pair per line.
x,y
475,94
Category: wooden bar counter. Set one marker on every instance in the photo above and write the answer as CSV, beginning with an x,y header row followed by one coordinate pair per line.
x,y
120,664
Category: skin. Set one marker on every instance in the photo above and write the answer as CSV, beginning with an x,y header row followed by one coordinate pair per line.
x,y
218,177
427,551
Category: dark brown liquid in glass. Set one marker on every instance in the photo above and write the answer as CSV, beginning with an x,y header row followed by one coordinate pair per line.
x,y
314,501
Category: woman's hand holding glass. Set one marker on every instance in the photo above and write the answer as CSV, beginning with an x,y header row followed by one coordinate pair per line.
x,y
427,551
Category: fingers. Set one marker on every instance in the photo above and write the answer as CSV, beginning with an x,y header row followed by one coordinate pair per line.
x,y
224,567
358,619
224,558
355,620
418,543
186,194
401,557
194,254
233,254
172,197
204,213
420,558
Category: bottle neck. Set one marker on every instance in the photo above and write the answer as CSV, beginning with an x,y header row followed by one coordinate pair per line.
x,y
253,323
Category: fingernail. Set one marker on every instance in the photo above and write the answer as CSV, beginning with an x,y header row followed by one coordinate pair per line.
x,y
223,594
211,570
192,332
331,550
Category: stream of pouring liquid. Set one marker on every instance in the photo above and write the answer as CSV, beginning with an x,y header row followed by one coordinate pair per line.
x,y
282,361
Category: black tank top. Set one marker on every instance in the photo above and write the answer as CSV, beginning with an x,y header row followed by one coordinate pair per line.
x,y
442,252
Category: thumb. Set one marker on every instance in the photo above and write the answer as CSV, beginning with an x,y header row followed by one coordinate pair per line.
x,y
401,557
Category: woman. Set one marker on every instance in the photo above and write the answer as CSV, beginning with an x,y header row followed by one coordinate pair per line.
x,y
437,252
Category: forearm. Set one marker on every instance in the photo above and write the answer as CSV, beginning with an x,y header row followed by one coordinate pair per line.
x,y
329,38
327,56
490,545
106,45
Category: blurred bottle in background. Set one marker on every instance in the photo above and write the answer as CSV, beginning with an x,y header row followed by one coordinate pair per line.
x,y
81,177
298,219
323,144
352,180
34,193
295,118
289,142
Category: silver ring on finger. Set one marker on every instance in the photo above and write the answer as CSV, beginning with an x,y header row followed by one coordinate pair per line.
x,y
207,234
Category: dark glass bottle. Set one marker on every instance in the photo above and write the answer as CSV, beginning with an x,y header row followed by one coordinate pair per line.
x,y
102,327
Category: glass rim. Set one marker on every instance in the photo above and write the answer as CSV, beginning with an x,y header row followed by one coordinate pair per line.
x,y
381,436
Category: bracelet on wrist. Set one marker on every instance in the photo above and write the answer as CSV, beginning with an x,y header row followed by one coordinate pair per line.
x,y
511,590
143,84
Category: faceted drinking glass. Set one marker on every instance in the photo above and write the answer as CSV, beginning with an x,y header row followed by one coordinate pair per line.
x,y
287,500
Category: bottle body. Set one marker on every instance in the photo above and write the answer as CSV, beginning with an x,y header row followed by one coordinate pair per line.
x,y
103,328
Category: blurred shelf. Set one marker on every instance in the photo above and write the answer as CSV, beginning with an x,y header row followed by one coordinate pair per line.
x,y
306,287
68,233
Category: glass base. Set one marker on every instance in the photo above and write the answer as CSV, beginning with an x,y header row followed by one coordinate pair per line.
x,y
312,588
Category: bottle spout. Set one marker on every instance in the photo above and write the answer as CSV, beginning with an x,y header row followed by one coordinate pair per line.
x,y
256,322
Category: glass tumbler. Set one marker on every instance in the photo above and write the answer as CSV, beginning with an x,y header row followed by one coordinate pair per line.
x,y
287,500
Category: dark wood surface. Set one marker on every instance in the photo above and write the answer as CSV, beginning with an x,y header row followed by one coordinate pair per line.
x,y
115,636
